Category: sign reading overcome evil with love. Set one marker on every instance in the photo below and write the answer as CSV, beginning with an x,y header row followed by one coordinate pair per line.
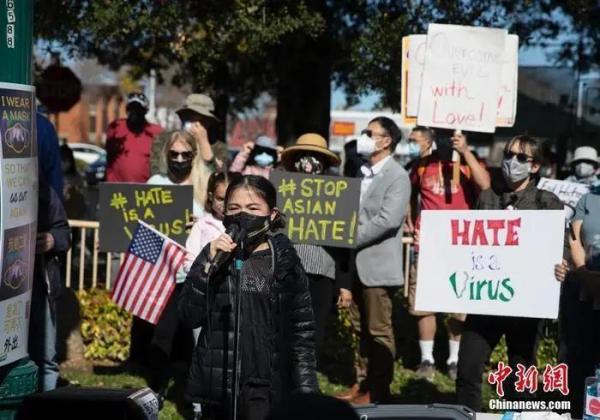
x,y
492,262
167,208
319,209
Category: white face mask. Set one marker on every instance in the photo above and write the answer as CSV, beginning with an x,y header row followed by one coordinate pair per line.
x,y
365,145
515,171
584,170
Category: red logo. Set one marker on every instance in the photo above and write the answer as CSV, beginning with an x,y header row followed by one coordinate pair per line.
x,y
594,406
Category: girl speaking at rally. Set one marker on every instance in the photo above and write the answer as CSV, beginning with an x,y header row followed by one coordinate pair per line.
x,y
256,346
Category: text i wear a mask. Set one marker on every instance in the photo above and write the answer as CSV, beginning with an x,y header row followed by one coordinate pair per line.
x,y
515,171
256,227
309,165
180,170
584,170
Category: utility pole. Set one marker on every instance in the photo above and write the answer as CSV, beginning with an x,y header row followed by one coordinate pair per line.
x,y
18,201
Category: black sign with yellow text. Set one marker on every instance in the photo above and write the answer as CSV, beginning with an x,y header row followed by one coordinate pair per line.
x,y
319,209
167,208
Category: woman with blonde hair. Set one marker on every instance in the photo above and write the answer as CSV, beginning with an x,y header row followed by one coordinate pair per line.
x,y
183,165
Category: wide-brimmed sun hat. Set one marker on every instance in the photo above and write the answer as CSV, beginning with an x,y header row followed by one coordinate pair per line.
x,y
310,142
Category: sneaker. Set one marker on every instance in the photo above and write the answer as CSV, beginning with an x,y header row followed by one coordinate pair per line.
x,y
452,370
426,371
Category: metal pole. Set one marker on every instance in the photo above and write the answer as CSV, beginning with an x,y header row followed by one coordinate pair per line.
x,y
16,42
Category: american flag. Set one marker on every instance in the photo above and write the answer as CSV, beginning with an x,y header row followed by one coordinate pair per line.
x,y
146,278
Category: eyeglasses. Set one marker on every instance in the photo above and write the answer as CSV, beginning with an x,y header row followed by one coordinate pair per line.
x,y
371,134
187,155
521,157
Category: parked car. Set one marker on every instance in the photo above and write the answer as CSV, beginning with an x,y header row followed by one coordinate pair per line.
x,y
95,172
88,153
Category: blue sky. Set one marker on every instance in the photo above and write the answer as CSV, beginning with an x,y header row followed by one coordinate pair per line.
x,y
527,57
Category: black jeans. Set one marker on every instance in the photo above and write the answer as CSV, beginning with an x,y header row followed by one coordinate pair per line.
x,y
481,334
321,294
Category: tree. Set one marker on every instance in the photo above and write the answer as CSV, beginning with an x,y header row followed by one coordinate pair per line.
x,y
292,49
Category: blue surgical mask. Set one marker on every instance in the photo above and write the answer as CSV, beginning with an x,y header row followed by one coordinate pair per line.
x,y
408,149
263,159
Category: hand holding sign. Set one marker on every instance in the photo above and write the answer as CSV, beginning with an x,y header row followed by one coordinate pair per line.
x,y
320,210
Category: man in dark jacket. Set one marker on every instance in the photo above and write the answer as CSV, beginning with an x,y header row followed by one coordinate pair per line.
x,y
53,238
277,331
482,333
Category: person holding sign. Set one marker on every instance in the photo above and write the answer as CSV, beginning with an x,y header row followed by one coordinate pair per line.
x,y
310,155
385,194
434,189
185,166
580,306
521,163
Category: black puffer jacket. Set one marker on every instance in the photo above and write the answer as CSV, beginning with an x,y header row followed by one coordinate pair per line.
x,y
290,351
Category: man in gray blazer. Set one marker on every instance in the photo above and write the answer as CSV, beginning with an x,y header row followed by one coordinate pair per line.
x,y
385,195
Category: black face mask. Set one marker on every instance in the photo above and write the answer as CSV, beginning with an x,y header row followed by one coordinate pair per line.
x,y
180,170
256,227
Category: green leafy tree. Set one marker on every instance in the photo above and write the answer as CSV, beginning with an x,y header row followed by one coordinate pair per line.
x,y
293,49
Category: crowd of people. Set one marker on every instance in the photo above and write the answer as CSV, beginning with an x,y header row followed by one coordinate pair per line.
x,y
288,291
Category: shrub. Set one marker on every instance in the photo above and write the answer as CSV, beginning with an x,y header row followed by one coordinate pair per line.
x,y
104,327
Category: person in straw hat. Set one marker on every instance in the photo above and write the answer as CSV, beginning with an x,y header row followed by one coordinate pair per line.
x,y
310,155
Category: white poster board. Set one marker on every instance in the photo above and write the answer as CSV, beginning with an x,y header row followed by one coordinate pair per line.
x,y
509,83
493,262
568,192
416,58
461,79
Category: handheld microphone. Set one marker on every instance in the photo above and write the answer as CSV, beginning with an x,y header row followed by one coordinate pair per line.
x,y
235,233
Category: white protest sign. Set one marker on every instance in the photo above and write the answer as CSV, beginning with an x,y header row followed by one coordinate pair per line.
x,y
493,262
416,59
461,79
507,95
568,192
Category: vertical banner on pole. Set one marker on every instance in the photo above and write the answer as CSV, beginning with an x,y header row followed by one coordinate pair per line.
x,y
18,216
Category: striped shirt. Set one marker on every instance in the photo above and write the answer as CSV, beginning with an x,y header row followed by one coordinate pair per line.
x,y
316,260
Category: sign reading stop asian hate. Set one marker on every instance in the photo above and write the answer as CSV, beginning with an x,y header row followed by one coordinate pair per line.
x,y
167,208
492,262
319,209
461,78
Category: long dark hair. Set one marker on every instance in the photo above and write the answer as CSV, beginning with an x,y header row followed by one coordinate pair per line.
x,y
263,188
216,179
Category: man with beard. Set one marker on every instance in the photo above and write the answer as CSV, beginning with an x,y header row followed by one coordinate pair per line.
x,y
129,143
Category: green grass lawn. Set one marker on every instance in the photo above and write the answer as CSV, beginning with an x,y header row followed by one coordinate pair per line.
x,y
406,388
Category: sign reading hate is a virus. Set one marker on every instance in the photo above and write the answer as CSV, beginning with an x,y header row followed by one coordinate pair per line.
x,y
492,262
